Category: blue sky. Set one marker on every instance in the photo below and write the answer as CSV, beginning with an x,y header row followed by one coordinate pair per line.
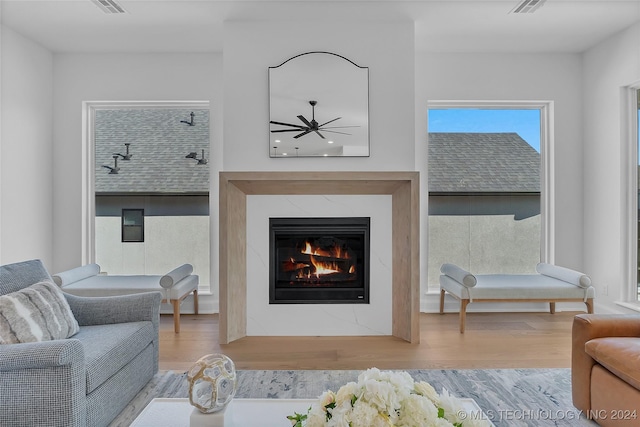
x,y
525,123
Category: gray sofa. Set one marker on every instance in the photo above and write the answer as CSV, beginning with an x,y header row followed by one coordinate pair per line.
x,y
85,380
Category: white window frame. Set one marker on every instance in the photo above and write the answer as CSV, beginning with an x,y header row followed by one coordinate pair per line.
x,y
629,221
547,169
89,109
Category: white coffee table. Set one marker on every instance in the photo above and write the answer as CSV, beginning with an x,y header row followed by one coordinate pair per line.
x,y
164,412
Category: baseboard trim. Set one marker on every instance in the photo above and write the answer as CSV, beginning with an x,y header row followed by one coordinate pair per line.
x,y
430,303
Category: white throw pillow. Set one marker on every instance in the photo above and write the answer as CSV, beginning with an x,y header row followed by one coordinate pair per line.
x,y
39,312
76,274
459,275
175,275
562,273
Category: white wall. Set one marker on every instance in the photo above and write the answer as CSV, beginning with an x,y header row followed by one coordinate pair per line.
x,y
401,83
123,77
514,77
250,48
608,68
26,218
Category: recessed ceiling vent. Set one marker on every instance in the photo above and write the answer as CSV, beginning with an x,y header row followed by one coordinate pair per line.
x,y
109,6
528,6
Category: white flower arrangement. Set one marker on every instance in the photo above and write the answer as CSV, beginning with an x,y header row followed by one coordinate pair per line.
x,y
386,398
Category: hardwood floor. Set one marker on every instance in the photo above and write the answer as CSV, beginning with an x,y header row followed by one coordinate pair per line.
x,y
491,340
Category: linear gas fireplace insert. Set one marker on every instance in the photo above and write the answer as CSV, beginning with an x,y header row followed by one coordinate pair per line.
x,y
319,260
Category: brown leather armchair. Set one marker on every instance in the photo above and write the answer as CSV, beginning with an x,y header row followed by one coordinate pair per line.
x,y
605,368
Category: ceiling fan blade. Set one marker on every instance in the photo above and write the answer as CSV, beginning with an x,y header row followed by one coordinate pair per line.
x,y
335,131
286,124
338,127
321,136
302,134
337,118
289,130
305,121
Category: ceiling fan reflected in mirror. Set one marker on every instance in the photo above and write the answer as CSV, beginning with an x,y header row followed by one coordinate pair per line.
x,y
310,126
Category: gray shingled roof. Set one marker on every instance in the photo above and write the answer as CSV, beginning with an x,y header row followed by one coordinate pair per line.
x,y
481,163
159,144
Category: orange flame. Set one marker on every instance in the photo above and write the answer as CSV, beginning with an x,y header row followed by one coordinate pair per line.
x,y
324,267
334,252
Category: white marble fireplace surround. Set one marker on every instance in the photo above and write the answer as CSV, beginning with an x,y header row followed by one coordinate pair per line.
x,y
264,319
244,270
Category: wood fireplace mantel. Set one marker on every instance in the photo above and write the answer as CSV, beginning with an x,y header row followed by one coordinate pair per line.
x,y
402,186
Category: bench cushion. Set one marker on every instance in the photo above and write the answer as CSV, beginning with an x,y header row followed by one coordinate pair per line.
x,y
98,286
75,274
516,286
459,275
176,275
565,274
86,281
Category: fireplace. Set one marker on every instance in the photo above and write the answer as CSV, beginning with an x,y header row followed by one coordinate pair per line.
x,y
319,260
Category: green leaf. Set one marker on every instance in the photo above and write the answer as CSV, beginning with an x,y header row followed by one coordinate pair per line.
x,y
298,418
440,412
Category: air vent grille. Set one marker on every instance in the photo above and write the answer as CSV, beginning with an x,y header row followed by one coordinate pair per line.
x,y
528,6
109,6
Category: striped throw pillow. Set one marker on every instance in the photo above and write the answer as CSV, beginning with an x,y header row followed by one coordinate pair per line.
x,y
39,312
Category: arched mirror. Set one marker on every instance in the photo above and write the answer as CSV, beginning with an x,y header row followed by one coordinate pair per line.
x,y
318,107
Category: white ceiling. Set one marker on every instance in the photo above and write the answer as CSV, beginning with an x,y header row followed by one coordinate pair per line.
x,y
197,25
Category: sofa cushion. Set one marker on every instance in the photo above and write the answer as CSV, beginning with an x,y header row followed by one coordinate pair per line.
x,y
38,312
19,275
620,355
110,347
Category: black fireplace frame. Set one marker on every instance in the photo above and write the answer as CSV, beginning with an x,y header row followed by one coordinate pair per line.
x,y
319,295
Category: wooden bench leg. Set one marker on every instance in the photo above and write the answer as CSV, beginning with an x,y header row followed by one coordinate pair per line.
x,y
176,315
552,307
463,314
442,291
589,303
195,301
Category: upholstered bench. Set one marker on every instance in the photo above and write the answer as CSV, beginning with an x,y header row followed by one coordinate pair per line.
x,y
552,284
175,286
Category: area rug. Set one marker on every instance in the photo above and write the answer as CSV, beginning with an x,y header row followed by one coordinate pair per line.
x,y
508,397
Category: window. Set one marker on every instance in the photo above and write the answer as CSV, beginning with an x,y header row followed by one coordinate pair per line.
x,y
147,181
637,126
487,187
630,141
133,225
